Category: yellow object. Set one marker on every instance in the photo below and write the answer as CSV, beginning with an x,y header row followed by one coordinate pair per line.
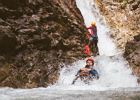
x,y
93,23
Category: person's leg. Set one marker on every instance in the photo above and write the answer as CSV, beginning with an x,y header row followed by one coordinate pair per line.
x,y
92,46
75,79
96,46
94,73
87,50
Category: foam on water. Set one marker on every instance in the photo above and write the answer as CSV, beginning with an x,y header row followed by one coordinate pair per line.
x,y
113,69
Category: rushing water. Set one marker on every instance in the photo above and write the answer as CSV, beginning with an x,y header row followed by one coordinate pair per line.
x,y
113,69
115,73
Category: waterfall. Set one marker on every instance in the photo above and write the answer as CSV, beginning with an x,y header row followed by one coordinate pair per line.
x,y
116,77
113,68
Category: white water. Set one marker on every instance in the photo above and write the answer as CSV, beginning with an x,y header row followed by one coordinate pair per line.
x,y
113,69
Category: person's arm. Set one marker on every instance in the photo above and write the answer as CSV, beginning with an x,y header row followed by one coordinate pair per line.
x,y
78,72
96,74
89,27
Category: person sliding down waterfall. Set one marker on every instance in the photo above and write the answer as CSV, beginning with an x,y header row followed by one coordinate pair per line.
x,y
91,43
88,73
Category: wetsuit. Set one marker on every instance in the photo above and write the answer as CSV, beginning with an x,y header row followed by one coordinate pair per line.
x,y
93,37
94,73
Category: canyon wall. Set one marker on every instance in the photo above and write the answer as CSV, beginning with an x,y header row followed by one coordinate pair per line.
x,y
36,38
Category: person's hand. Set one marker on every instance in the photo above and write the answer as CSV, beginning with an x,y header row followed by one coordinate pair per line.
x,y
76,75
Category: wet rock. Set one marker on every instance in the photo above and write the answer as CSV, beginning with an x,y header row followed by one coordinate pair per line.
x,y
132,54
36,36
123,18
3,74
27,30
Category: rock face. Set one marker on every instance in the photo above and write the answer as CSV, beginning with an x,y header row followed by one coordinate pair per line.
x,y
123,16
36,36
132,54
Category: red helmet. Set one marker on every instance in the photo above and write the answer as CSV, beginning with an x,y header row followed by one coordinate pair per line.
x,y
90,59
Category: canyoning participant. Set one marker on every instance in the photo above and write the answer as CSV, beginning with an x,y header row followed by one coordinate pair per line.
x,y
93,38
88,72
93,72
82,74
88,49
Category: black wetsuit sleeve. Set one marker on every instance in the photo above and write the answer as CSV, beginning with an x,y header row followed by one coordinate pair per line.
x,y
78,72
